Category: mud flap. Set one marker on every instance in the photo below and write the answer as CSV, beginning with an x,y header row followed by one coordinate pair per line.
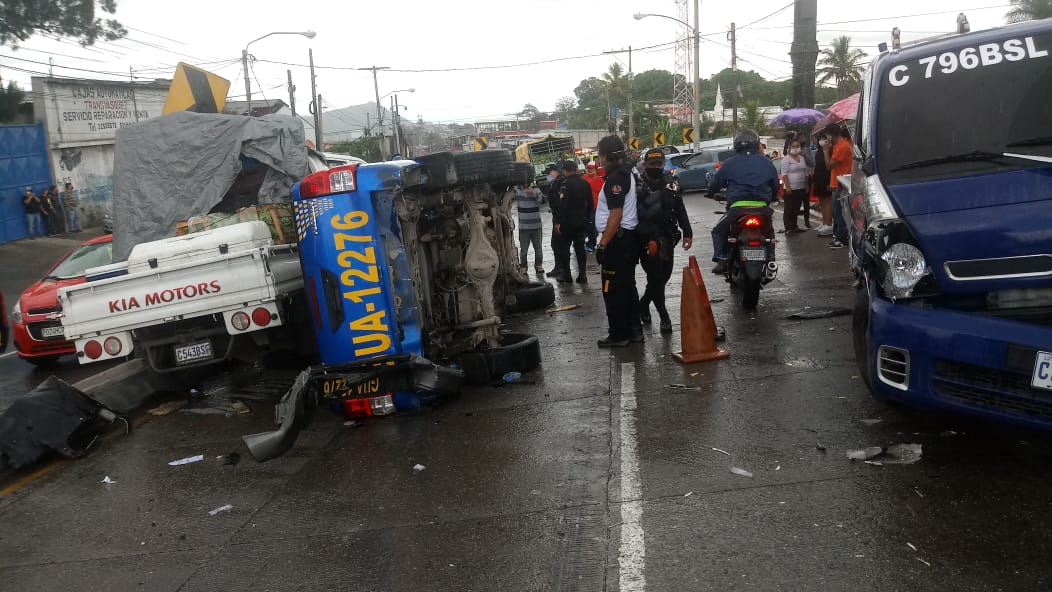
x,y
342,382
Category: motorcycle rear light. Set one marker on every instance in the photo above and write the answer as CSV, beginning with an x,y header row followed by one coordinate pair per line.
x,y
719,165
753,221
240,321
261,317
365,407
93,349
112,345
755,243
335,180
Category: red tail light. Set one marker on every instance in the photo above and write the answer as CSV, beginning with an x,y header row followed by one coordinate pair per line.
x,y
261,317
335,180
719,165
754,243
382,405
93,349
753,221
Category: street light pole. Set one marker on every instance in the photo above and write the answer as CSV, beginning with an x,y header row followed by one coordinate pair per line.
x,y
696,120
244,61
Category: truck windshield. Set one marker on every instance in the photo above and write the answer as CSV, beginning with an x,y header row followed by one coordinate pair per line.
x,y
957,111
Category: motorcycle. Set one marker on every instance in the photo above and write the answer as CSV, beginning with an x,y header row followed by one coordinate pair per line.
x,y
751,265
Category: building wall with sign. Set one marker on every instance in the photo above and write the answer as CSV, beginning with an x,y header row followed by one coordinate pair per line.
x,y
81,119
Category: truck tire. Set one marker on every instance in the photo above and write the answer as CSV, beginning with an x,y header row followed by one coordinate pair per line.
x,y
518,352
441,170
486,166
535,295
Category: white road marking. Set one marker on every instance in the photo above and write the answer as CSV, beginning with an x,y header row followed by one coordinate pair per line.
x,y
632,555
10,353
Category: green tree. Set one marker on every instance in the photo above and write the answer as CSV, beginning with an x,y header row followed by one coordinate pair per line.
x,y
10,100
753,117
842,65
563,108
76,19
1028,10
653,86
365,147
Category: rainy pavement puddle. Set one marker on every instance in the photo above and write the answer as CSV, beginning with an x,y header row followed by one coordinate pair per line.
x,y
632,551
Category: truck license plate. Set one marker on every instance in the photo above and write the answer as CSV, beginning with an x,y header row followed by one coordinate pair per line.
x,y
1042,371
52,332
754,254
185,354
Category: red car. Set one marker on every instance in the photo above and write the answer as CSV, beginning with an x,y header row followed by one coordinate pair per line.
x,y
35,323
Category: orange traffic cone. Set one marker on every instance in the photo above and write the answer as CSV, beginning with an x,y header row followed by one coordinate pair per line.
x,y
697,326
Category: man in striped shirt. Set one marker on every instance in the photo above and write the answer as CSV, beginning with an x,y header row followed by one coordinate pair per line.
x,y
529,201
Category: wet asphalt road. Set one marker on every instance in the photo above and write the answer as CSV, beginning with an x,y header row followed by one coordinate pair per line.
x,y
593,473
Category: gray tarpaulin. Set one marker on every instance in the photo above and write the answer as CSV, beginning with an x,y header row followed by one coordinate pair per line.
x,y
182,164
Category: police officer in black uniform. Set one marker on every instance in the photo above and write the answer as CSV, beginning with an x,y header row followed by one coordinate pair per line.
x,y
618,248
661,218
575,208
555,180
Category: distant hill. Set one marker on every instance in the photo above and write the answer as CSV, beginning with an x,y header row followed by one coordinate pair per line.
x,y
349,123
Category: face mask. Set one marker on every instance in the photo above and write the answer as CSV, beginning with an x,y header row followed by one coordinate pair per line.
x,y
823,142
794,151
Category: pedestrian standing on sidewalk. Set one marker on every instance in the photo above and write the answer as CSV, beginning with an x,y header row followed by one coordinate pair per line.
x,y
528,202
820,183
33,208
794,183
838,157
47,210
618,249
72,202
575,196
60,210
662,222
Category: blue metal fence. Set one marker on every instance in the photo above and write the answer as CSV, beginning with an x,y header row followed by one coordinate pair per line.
x,y
23,163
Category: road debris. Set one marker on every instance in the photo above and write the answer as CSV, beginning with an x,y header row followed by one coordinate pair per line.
x,y
240,408
819,313
917,491
871,422
220,510
865,453
563,308
741,472
682,387
778,468
922,561
721,451
419,467
688,494
107,480
820,447
512,377
910,545
693,374
187,460
229,459
167,408
949,434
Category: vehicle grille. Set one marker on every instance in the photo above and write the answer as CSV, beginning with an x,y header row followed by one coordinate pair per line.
x,y
45,310
893,366
1005,390
36,331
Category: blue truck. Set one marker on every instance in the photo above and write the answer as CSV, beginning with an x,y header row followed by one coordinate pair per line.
x,y
409,268
950,213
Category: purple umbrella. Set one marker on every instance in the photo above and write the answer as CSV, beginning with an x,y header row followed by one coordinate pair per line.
x,y
797,116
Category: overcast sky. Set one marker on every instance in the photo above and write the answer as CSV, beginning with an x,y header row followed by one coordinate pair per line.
x,y
429,35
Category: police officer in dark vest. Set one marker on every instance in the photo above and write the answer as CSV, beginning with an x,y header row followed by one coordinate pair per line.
x,y
662,221
575,208
555,180
618,248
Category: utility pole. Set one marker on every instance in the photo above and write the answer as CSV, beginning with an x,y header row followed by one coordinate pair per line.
x,y
631,119
292,93
379,113
732,36
318,134
394,124
135,102
696,116
248,83
804,52
315,103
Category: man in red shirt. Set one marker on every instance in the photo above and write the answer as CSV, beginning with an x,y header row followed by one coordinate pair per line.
x,y
838,158
595,180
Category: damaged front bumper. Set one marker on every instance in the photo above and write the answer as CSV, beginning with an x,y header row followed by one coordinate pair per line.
x,y
370,386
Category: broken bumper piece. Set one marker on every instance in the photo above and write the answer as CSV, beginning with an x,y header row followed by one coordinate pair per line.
x,y
378,386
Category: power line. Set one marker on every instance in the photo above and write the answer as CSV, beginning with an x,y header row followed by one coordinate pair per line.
x,y
766,17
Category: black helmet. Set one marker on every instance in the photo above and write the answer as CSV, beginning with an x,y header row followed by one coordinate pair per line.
x,y
746,140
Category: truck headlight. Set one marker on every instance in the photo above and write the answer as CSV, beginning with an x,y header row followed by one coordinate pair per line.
x,y
16,313
906,267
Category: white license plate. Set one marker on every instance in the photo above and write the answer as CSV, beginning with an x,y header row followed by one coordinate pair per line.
x,y
52,332
184,354
1042,371
754,254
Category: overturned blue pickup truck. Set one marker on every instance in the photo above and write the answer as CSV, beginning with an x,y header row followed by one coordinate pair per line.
x,y
408,267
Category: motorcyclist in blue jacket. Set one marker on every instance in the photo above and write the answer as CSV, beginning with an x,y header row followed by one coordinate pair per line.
x,y
751,182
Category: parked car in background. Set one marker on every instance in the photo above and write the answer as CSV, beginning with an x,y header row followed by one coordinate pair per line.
x,y
334,160
107,222
36,325
5,329
694,172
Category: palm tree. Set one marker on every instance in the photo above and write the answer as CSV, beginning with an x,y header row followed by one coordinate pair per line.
x,y
843,65
1028,10
753,117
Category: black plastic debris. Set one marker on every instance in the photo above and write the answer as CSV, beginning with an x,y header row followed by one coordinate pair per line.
x,y
55,416
809,314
